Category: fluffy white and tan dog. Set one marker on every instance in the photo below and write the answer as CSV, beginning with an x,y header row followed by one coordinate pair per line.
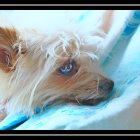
x,y
37,69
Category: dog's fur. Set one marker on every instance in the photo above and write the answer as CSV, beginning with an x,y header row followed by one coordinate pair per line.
x,y
30,65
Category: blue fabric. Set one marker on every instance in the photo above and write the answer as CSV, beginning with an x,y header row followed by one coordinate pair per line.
x,y
10,122
127,49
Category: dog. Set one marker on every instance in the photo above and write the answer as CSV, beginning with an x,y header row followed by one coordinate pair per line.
x,y
38,69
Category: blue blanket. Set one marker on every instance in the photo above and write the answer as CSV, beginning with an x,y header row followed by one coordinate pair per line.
x,y
123,66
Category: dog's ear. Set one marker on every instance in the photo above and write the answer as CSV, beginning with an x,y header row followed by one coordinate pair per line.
x,y
107,20
8,37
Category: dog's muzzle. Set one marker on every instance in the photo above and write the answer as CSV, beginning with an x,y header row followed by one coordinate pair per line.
x,y
104,89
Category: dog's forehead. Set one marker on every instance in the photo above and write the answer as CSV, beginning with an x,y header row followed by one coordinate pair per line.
x,y
66,45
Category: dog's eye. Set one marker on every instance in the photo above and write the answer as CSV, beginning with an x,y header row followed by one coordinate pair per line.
x,y
68,68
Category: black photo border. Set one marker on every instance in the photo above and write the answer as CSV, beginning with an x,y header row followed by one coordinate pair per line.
x,y
69,132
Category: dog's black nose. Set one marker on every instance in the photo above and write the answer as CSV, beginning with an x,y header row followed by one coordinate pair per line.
x,y
106,86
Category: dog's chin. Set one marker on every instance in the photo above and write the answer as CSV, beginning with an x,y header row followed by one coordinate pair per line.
x,y
86,101
93,101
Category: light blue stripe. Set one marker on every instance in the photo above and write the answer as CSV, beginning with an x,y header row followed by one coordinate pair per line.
x,y
84,16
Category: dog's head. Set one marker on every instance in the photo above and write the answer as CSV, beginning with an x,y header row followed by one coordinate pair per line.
x,y
40,69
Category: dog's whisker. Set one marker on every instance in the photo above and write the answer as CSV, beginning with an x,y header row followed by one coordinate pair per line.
x,y
98,81
77,101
